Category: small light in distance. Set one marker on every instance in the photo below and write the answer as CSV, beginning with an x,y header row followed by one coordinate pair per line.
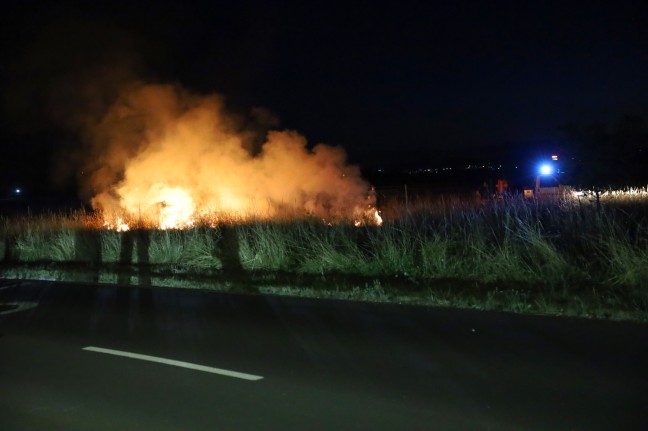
x,y
18,191
546,169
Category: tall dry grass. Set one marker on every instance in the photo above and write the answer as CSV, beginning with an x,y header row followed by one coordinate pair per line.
x,y
555,243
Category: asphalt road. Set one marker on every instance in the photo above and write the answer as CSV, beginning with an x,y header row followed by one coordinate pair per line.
x,y
318,364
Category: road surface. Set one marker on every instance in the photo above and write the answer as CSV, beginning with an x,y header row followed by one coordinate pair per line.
x,y
86,357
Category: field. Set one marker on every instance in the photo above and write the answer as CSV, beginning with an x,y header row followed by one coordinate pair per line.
x,y
567,257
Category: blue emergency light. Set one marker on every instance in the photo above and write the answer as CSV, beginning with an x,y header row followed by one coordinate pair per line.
x,y
546,169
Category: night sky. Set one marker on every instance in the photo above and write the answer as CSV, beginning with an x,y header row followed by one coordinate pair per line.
x,y
395,84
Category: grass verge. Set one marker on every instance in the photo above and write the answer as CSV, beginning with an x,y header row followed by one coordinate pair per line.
x,y
559,257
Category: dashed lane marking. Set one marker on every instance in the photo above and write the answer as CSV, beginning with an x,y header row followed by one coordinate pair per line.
x,y
175,363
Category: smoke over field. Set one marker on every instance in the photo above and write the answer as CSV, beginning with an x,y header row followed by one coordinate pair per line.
x,y
169,156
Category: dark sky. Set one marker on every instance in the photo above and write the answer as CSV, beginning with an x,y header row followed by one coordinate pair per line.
x,y
393,83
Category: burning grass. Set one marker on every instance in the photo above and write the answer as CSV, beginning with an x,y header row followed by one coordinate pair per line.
x,y
559,257
169,158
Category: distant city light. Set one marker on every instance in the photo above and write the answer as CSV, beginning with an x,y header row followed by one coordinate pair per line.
x,y
546,169
554,157
18,191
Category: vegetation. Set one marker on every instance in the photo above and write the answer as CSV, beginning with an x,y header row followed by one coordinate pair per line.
x,y
603,155
559,257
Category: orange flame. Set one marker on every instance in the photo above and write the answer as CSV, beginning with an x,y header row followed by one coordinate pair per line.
x,y
170,158
118,225
377,218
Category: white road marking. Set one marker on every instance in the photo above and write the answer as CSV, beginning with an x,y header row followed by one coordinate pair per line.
x,y
175,363
19,306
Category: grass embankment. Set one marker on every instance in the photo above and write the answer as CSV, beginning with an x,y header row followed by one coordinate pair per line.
x,y
568,257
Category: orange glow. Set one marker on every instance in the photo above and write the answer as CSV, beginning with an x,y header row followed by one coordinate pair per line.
x,y
118,225
169,159
377,218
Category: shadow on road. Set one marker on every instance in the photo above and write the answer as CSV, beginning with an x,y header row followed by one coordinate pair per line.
x,y
135,240
228,251
87,249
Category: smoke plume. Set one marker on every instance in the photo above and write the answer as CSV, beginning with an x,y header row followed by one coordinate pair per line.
x,y
170,155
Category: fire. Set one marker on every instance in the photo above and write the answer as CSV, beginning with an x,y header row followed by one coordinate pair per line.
x,y
167,207
118,225
377,218
169,158
371,217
